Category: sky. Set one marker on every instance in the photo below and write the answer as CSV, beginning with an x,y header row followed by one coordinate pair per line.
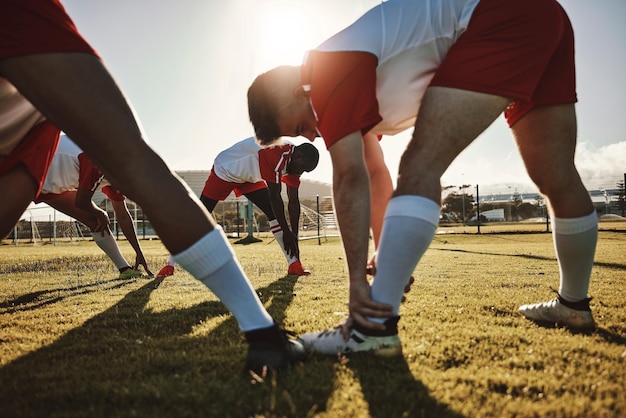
x,y
186,66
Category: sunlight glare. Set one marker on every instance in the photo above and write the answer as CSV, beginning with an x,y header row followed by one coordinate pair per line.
x,y
283,36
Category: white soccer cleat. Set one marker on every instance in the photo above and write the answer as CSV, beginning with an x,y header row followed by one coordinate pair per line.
x,y
555,312
331,341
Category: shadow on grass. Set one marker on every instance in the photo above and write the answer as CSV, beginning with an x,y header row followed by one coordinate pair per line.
x,y
132,361
391,390
41,298
616,266
613,335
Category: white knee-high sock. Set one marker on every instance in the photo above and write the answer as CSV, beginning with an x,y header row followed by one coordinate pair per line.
x,y
109,246
278,236
212,261
170,260
575,245
408,229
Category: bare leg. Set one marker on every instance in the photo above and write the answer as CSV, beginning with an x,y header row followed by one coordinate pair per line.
x,y
77,94
546,138
64,85
449,120
65,203
261,198
209,204
19,188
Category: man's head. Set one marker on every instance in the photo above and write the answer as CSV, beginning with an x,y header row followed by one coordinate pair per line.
x,y
279,106
304,158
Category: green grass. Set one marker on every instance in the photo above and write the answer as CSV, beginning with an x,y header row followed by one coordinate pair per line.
x,y
77,342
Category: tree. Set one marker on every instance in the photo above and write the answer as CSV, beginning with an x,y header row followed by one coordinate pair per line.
x,y
455,205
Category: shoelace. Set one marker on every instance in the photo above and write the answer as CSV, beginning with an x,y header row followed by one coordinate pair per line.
x,y
331,331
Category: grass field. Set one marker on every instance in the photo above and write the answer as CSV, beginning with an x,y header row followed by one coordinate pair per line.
x,y
77,342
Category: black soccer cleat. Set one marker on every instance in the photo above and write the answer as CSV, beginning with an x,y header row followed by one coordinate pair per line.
x,y
271,349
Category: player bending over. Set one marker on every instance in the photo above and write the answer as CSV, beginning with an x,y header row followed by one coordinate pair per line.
x,y
257,173
447,68
70,184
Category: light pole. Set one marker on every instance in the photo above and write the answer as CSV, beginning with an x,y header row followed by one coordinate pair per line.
x,y
462,190
606,200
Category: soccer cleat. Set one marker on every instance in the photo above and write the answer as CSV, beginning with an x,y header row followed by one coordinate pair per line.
x,y
271,349
385,343
129,273
166,271
555,311
296,269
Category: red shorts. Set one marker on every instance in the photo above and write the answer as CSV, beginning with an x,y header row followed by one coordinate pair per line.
x,y
113,194
217,189
35,151
37,26
518,49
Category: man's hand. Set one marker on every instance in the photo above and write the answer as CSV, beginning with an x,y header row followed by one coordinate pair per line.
x,y
102,220
290,241
361,307
141,261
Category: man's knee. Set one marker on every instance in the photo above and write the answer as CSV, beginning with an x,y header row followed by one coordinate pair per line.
x,y
22,187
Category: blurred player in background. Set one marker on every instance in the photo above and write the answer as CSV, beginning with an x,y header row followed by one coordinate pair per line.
x,y
71,181
257,173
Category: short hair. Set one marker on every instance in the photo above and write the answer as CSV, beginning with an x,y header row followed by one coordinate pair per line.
x,y
263,105
309,152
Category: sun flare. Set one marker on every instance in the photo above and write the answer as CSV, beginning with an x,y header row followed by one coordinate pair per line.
x,y
283,37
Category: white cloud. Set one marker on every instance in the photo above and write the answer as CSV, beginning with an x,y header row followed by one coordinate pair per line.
x,y
606,164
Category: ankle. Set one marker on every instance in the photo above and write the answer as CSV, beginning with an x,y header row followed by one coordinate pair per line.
x,y
270,335
391,328
581,305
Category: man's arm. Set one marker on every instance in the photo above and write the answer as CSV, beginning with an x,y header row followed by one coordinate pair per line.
x,y
83,201
351,192
126,224
381,190
293,207
290,240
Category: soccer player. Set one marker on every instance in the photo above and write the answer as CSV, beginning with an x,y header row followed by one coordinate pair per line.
x,y
51,79
69,186
447,68
257,173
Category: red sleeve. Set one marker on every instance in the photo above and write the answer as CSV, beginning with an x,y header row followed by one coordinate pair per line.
x,y
272,162
343,92
113,194
37,26
89,176
292,180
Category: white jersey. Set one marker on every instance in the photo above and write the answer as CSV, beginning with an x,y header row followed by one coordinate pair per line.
x,y
64,170
64,173
240,163
408,54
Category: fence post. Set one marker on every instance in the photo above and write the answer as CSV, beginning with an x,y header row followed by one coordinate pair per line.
x,y
237,218
319,238
477,209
